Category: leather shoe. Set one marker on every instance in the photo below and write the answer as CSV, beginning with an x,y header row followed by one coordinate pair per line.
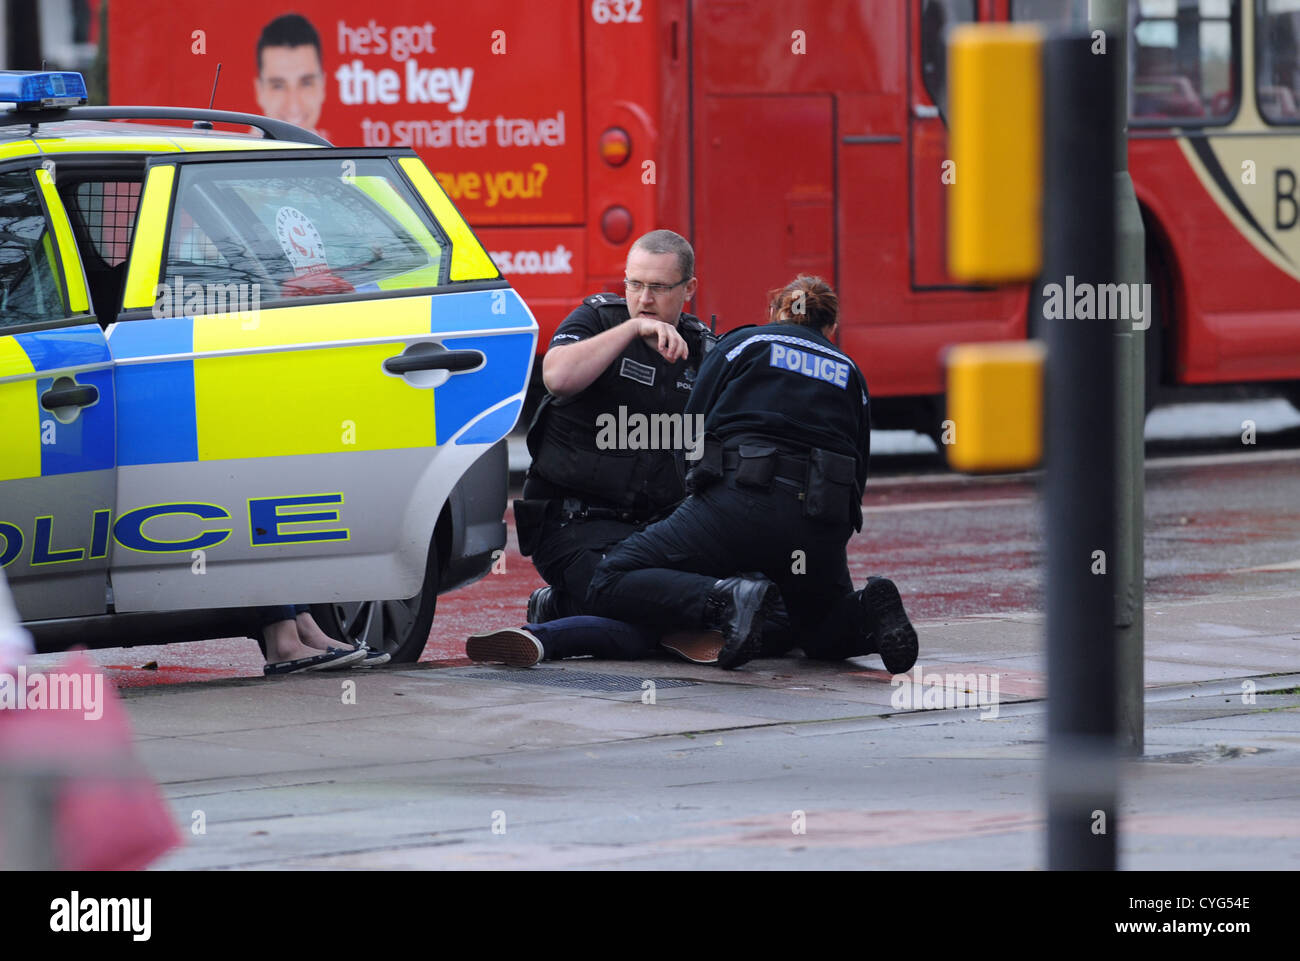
x,y
895,638
541,606
737,606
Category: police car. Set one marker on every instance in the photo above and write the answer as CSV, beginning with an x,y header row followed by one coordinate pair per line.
x,y
238,370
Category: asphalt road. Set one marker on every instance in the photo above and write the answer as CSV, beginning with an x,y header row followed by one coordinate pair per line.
x,y
957,546
421,766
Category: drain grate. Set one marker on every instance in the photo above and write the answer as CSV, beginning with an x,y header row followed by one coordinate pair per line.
x,y
582,680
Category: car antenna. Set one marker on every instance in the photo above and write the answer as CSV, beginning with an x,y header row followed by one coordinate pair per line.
x,y
213,98
207,124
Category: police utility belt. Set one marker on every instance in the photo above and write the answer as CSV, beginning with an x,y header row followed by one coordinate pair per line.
x,y
824,480
572,509
533,517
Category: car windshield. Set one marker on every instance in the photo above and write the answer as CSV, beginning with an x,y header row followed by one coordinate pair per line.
x,y
301,228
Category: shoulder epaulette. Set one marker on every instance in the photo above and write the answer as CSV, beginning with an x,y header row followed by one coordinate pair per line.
x,y
694,323
605,300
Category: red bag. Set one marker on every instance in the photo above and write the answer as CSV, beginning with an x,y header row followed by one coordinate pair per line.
x,y
108,812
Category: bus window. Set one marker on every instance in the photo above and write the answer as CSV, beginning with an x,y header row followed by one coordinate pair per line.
x,y
1186,62
1053,13
937,18
1277,38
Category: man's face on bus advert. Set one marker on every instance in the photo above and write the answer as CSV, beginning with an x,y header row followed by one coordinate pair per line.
x,y
291,85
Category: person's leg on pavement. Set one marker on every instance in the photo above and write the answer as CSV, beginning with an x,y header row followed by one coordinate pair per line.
x,y
835,622
577,636
311,632
280,635
829,623
662,576
779,636
314,636
285,650
682,573
600,637
567,556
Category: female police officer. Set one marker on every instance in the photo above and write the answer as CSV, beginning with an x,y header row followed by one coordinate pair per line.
x,y
778,492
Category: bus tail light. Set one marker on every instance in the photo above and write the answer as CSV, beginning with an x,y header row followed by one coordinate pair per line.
x,y
615,146
616,224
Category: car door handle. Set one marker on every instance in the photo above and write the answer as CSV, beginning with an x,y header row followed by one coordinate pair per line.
x,y
434,357
77,395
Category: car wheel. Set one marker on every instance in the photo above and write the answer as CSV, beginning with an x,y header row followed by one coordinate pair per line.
x,y
401,628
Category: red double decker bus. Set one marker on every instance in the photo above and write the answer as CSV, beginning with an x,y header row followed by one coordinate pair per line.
x,y
801,136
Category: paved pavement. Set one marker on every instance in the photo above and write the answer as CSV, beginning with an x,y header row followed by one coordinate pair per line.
x,y
782,764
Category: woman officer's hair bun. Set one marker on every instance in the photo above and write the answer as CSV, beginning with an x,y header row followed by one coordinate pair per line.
x,y
806,300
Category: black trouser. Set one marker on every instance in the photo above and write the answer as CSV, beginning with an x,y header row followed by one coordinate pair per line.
x,y
567,556
663,574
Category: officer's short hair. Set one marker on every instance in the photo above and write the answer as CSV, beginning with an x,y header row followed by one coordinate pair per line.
x,y
667,242
806,300
288,30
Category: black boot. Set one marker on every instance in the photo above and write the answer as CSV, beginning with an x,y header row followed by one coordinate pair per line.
x,y
542,606
778,632
737,606
894,636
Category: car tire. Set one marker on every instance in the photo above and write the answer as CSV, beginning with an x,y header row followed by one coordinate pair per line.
x,y
400,628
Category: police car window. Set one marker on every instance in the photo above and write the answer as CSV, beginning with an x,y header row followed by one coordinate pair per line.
x,y
192,245
302,228
29,282
107,209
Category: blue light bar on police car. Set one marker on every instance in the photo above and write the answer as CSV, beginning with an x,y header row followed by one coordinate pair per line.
x,y
37,89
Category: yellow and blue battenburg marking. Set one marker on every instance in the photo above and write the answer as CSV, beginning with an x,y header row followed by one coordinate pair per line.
x,y
189,389
198,389
271,521
33,443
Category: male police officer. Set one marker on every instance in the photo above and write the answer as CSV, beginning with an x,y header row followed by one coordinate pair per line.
x,y
611,360
779,493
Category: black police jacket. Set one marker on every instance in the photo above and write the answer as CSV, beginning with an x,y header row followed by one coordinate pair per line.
x,y
789,383
587,447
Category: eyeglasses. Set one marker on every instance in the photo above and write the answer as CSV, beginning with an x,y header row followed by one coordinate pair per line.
x,y
635,287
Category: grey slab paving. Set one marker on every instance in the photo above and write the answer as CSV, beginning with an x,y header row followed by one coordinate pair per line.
x,y
418,771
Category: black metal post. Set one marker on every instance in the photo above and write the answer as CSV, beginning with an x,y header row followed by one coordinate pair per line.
x,y
1079,257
